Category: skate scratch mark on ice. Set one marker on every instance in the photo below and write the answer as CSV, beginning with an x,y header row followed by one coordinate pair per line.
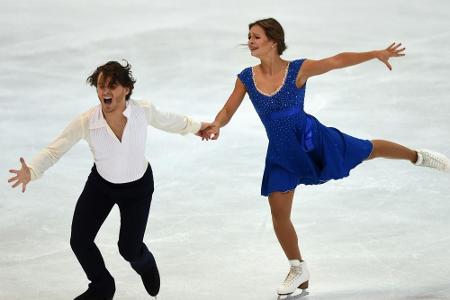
x,y
438,292
433,244
381,264
295,296
62,42
173,227
176,236
17,260
428,39
263,226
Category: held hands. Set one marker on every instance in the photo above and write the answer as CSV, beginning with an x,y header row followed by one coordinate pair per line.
x,y
391,51
209,131
23,176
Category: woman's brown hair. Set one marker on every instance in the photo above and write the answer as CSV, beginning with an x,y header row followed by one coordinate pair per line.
x,y
273,30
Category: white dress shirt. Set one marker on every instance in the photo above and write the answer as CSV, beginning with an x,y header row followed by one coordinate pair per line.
x,y
116,161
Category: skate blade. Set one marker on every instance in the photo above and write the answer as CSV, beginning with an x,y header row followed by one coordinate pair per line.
x,y
294,296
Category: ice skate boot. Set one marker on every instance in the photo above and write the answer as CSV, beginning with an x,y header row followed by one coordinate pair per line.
x,y
431,159
151,279
103,290
298,277
89,295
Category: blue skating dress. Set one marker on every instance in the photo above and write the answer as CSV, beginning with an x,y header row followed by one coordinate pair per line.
x,y
301,150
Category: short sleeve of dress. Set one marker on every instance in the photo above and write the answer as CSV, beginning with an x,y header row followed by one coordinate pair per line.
x,y
245,77
297,66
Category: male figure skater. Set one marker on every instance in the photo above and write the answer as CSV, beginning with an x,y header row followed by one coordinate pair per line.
x,y
116,131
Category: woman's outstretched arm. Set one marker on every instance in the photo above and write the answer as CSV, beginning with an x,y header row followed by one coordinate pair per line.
x,y
226,113
346,59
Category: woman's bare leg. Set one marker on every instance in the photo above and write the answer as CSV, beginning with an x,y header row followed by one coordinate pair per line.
x,y
386,149
281,206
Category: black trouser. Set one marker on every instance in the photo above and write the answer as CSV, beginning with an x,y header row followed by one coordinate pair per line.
x,y
93,206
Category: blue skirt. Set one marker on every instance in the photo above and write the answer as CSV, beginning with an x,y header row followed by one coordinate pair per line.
x,y
309,154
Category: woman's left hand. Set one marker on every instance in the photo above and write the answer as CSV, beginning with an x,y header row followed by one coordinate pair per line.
x,y
393,50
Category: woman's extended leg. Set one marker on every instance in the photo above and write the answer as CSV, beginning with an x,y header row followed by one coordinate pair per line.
x,y
423,158
387,149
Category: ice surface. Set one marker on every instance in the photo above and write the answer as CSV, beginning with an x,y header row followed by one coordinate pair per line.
x,y
382,233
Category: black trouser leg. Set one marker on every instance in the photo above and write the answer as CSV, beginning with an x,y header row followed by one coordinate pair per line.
x,y
134,204
92,208
134,216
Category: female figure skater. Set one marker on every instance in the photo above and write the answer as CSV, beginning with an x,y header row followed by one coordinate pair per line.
x,y
116,131
301,150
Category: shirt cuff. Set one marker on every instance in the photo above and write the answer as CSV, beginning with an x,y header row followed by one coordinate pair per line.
x,y
33,173
192,126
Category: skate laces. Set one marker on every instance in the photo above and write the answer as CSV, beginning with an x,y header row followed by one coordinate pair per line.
x,y
434,160
293,274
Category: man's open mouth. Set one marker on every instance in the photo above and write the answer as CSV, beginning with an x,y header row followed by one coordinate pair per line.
x,y
107,100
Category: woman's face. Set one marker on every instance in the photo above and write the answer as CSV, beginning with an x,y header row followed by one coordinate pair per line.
x,y
258,42
112,97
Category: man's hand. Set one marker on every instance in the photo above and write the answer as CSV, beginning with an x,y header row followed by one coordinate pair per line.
x,y
23,176
209,132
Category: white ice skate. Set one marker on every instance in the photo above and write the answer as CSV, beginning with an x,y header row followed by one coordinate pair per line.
x,y
298,277
431,159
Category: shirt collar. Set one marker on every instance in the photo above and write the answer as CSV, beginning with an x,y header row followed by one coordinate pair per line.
x,y
98,121
127,111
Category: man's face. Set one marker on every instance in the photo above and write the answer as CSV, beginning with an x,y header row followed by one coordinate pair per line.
x,y
112,97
